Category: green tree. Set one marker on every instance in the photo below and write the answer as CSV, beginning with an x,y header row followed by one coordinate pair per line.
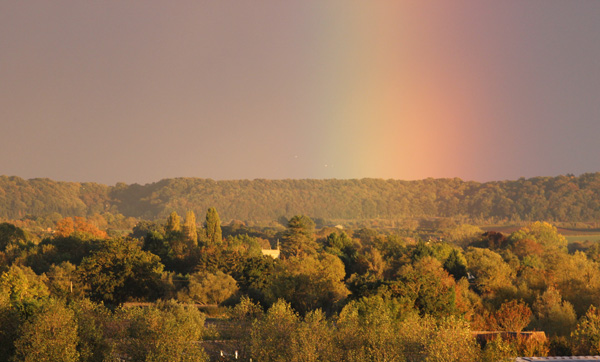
x,y
10,323
208,288
299,238
553,315
281,335
426,286
575,276
369,330
369,260
121,270
50,335
311,282
337,242
421,250
22,294
340,244
189,229
95,323
59,249
456,264
243,315
499,349
22,289
173,223
254,276
14,245
63,281
271,336
462,235
143,227
213,227
586,337
155,242
178,247
166,331
543,233
11,235
451,341
313,339
491,272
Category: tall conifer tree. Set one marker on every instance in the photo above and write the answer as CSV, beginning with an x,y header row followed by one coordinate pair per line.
x,y
173,223
213,226
189,228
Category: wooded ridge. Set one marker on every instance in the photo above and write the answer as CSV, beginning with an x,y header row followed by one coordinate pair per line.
x,y
561,198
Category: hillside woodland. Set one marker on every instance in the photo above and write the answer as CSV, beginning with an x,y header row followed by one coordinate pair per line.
x,y
563,198
364,294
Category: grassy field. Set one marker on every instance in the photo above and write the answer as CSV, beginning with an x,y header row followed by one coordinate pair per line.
x,y
581,238
580,235
573,235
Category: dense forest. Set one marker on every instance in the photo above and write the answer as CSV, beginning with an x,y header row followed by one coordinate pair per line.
x,y
563,198
333,294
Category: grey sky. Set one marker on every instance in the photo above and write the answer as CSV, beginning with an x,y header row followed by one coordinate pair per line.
x,y
112,91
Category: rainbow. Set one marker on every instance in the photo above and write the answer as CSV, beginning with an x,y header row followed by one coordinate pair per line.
x,y
396,96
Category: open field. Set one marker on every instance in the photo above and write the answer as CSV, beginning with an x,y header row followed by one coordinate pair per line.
x,y
505,229
582,238
580,235
572,234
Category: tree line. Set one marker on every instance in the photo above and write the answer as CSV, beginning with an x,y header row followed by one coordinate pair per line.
x,y
366,294
562,198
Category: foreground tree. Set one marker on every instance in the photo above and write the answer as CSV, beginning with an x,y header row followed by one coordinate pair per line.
x,y
22,293
271,333
164,332
281,335
450,340
49,336
369,330
95,323
586,337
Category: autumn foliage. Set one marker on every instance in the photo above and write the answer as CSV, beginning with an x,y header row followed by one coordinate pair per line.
x,y
513,316
68,226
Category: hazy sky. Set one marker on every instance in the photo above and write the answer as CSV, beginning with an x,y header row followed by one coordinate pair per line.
x,y
137,91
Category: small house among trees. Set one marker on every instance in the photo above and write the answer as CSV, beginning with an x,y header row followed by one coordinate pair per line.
x,y
273,253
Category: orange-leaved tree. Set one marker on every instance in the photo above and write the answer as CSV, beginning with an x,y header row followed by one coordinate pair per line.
x,y
68,226
513,316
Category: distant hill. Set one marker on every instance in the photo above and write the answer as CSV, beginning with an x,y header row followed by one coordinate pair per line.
x,y
562,198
